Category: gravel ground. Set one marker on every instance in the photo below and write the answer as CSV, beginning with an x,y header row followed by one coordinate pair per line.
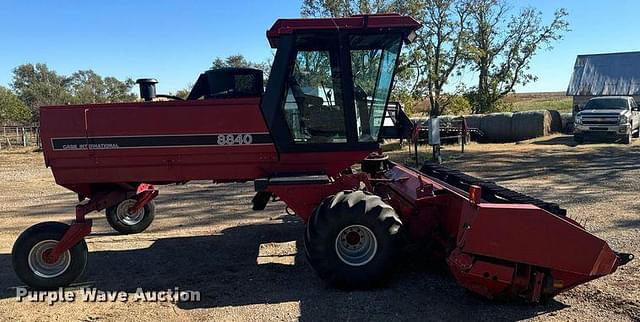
x,y
250,266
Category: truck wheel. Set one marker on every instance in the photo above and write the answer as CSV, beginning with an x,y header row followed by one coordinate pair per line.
x,y
351,240
33,269
578,139
126,223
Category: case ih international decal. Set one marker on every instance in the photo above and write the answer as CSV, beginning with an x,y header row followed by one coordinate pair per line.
x,y
159,141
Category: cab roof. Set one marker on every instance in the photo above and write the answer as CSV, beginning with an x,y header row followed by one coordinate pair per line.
x,y
387,21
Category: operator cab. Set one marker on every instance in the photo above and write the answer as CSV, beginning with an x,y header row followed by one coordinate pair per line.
x,y
331,80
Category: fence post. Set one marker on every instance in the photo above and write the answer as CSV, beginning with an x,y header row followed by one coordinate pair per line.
x,y
25,137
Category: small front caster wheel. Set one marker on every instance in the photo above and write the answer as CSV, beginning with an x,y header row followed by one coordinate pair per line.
x,y
125,222
30,262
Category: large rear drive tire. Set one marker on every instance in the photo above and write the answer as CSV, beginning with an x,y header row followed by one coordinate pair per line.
x,y
351,240
29,262
125,223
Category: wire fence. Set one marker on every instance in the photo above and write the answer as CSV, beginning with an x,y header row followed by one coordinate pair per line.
x,y
19,136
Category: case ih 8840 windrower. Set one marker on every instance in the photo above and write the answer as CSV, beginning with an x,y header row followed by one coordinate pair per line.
x,y
322,112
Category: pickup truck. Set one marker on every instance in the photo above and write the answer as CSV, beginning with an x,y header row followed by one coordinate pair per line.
x,y
612,117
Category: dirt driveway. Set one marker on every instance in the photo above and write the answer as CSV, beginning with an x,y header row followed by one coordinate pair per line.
x,y
250,265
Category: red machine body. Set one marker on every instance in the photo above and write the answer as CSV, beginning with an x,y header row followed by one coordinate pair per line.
x,y
164,142
499,249
495,246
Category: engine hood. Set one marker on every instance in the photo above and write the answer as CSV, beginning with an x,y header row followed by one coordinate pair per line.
x,y
598,112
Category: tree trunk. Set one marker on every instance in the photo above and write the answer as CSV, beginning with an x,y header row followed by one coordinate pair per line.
x,y
483,86
435,106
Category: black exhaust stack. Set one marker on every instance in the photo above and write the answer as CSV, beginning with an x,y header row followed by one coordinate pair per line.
x,y
147,88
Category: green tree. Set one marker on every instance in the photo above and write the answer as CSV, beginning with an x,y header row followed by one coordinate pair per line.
x,y
12,109
501,47
87,87
458,105
239,61
439,50
345,8
119,90
184,93
37,85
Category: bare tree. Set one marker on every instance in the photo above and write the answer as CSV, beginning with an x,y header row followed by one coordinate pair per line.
x,y
502,45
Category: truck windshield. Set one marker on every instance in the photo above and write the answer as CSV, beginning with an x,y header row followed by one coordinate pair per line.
x,y
607,104
373,61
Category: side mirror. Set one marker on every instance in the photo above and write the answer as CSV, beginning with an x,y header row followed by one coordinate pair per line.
x,y
635,108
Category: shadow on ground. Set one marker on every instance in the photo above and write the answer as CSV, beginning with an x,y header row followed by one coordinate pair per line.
x,y
568,141
224,269
557,140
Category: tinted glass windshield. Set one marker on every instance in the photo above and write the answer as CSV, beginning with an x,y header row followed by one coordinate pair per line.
x,y
313,104
314,107
314,111
373,61
607,104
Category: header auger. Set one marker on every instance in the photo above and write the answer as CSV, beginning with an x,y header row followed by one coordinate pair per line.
x,y
322,111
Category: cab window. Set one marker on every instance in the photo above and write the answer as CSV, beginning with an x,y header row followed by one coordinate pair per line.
x,y
313,105
373,61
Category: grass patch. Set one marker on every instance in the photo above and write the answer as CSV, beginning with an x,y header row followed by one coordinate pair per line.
x,y
560,105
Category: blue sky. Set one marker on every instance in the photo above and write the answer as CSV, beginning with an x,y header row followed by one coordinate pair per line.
x,y
174,41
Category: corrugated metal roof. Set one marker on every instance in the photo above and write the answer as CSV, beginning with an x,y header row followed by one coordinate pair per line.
x,y
606,74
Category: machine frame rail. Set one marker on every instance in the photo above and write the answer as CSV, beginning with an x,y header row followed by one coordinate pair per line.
x,y
491,192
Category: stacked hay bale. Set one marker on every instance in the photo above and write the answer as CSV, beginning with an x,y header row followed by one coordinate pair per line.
x,y
497,127
473,120
556,121
511,127
446,120
567,122
532,124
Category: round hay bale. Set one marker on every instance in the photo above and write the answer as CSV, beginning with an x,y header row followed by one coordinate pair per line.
x,y
556,121
567,122
446,120
473,120
497,127
529,125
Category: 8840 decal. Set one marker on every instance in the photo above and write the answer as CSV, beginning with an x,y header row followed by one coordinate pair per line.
x,y
159,141
234,139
